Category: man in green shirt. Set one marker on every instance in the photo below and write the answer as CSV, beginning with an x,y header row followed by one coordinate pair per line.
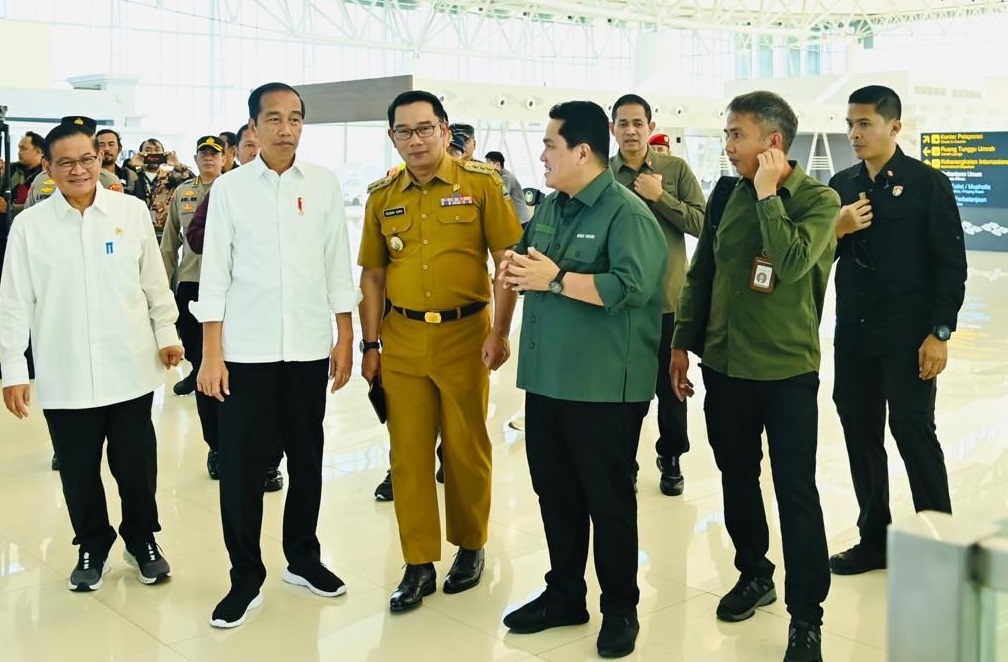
x,y
751,309
589,263
667,185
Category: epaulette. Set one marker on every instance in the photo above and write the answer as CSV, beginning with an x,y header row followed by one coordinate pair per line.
x,y
381,183
479,166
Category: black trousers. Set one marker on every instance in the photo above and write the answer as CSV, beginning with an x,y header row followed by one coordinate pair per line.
x,y
737,411
579,460
672,437
79,435
863,386
269,402
191,333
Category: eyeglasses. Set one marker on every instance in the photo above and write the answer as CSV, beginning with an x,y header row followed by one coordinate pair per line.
x,y
67,165
424,131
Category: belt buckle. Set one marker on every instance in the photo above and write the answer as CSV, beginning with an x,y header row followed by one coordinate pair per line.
x,y
432,317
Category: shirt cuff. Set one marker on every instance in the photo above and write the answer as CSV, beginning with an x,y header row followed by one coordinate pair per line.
x,y
166,336
207,310
609,290
15,372
344,302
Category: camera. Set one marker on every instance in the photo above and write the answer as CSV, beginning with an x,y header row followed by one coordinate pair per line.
x,y
155,159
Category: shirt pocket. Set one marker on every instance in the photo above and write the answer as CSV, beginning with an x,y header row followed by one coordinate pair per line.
x,y
584,252
402,238
121,262
458,215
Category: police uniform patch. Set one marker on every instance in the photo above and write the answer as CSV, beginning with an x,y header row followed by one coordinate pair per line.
x,y
47,189
188,207
117,187
504,191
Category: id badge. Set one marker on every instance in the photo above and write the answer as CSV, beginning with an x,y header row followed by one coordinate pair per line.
x,y
762,278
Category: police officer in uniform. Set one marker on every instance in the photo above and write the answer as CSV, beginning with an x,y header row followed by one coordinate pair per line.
x,y
209,161
427,230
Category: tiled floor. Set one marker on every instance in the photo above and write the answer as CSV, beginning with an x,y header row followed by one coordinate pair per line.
x,y
685,555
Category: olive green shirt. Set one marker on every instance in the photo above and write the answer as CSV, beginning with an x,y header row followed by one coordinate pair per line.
x,y
679,210
572,350
752,334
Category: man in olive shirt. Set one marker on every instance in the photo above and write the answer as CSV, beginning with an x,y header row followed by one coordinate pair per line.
x,y
590,262
751,308
900,282
673,194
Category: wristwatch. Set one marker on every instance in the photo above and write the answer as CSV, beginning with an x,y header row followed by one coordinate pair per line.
x,y
365,345
941,332
556,285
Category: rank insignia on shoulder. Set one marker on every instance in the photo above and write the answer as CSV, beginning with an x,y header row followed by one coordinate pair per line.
x,y
381,183
117,187
187,207
190,193
477,166
47,189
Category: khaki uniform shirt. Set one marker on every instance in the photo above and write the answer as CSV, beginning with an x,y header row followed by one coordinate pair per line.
x,y
433,238
180,211
680,211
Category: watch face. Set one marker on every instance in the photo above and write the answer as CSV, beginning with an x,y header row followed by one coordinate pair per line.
x,y
555,287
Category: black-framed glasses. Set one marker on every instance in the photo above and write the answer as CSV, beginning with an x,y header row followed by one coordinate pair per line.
x,y
422,131
67,165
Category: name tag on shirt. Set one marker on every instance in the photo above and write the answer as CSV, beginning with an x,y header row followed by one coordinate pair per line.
x,y
762,278
395,211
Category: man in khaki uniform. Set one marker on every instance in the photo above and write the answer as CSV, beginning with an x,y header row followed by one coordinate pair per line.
x,y
186,272
427,230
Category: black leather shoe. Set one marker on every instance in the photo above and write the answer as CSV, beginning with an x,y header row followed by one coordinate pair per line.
x,y
618,635
417,581
384,490
212,464
465,571
860,558
185,386
671,482
55,463
543,614
274,480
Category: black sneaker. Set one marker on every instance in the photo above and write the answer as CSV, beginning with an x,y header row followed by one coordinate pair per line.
x,y
274,480
185,386
87,575
146,557
671,482
318,579
232,610
213,464
618,635
384,490
748,593
804,643
858,559
54,465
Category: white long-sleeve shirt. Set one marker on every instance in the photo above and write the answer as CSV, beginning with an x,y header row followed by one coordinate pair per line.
x,y
91,290
276,263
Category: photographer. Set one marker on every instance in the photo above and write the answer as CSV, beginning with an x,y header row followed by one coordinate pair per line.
x,y
159,173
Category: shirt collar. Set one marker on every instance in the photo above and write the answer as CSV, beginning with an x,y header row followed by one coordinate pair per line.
x,y
100,203
892,166
445,172
259,167
589,195
619,163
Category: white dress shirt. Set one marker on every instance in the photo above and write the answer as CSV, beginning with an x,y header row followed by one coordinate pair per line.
x,y
276,263
91,289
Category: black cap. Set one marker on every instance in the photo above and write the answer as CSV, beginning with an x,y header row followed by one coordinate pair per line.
x,y
210,141
85,123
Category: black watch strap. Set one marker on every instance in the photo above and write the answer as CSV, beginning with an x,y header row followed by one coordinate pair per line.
x,y
366,345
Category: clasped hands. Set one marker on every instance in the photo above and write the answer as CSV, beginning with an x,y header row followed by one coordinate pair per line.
x,y
531,272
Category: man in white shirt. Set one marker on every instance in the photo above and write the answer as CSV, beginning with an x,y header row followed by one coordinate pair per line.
x,y
276,269
83,276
